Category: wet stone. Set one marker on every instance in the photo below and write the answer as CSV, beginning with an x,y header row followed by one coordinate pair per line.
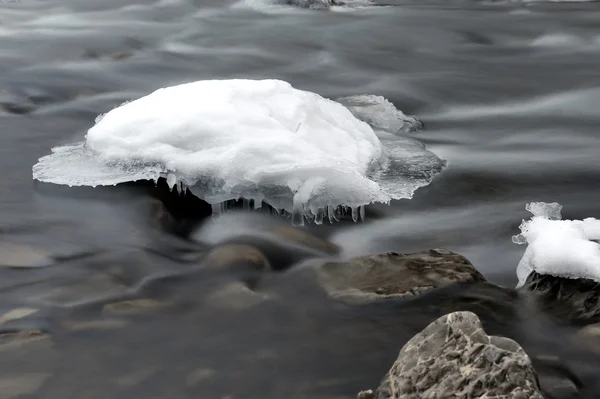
x,y
566,299
23,256
234,296
244,262
393,275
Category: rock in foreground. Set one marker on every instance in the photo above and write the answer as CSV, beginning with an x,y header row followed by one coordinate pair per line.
x,y
454,357
390,275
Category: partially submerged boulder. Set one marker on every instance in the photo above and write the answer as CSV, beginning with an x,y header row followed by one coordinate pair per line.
x,y
453,356
565,298
393,275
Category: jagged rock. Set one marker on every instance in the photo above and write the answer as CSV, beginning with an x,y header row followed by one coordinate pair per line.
x,y
455,355
566,299
391,275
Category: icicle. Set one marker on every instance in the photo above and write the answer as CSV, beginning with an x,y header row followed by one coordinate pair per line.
x,y
362,213
333,214
354,214
297,218
171,181
310,217
216,210
319,216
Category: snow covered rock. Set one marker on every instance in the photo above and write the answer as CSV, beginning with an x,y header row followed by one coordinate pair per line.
x,y
262,140
566,299
454,356
562,248
561,264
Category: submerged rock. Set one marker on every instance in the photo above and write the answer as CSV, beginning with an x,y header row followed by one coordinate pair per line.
x,y
455,355
565,298
234,296
391,275
23,256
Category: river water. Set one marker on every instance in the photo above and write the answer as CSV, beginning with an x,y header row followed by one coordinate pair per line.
x,y
509,94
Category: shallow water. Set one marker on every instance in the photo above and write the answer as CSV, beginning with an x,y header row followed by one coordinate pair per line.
x,y
508,94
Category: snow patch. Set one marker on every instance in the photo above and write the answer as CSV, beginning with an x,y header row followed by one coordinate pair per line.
x,y
262,140
565,248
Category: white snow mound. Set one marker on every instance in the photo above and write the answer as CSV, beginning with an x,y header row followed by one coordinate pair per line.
x,y
564,248
262,140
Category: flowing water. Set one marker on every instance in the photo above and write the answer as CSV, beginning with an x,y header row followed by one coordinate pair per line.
x,y
509,94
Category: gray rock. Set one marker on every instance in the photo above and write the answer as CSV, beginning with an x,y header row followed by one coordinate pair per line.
x,y
566,299
391,275
453,356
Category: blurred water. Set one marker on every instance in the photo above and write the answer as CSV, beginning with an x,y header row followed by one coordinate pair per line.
x,y
509,94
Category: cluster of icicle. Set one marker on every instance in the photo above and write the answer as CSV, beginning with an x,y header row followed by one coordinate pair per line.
x,y
298,216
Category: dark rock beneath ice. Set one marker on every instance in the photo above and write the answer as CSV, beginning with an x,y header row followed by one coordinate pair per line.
x,y
564,298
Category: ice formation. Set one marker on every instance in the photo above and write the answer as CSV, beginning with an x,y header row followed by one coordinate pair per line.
x,y
381,114
320,4
262,140
565,248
